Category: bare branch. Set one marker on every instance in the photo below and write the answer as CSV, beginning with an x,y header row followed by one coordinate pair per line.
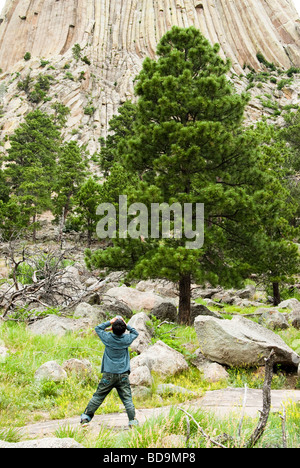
x,y
264,416
206,436
283,425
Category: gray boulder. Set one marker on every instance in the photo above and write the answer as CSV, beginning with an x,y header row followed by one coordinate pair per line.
x,y
292,304
141,376
93,313
50,371
212,371
162,359
43,443
59,326
273,319
199,309
82,367
294,317
241,342
137,300
112,306
165,311
139,322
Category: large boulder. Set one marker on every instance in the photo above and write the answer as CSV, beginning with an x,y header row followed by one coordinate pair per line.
x,y
93,313
50,443
199,309
141,376
241,342
165,311
59,326
161,359
50,371
112,306
139,322
159,286
137,300
292,304
212,371
273,319
294,317
79,367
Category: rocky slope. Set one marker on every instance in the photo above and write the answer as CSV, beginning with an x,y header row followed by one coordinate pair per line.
x,y
114,38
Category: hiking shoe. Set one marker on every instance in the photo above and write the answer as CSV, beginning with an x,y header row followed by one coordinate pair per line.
x,y
133,424
84,422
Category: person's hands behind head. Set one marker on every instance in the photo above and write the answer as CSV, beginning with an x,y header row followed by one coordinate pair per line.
x,y
118,317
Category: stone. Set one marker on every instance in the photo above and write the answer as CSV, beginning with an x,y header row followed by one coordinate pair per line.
x,y
292,304
226,297
141,376
50,371
199,309
241,342
161,359
83,310
136,300
59,326
159,286
247,293
52,443
82,367
273,319
93,313
113,307
212,371
165,311
139,322
294,317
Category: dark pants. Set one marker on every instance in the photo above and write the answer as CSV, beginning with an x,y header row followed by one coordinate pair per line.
x,y
107,383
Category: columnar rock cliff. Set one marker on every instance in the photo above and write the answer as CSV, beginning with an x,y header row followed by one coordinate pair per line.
x,y
116,35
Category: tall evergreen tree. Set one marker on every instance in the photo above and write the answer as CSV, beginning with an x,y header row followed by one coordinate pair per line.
x,y
31,165
86,202
188,146
71,172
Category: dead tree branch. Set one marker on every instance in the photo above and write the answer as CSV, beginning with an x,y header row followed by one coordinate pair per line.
x,y
264,416
206,436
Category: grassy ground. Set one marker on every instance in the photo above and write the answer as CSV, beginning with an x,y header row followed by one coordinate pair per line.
x,y
23,401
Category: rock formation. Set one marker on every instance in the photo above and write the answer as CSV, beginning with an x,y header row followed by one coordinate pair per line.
x,y
115,36
122,32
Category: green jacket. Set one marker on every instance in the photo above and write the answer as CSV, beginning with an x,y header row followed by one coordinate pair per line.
x,y
116,358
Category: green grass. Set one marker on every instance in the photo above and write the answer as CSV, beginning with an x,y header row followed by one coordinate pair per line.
x,y
23,401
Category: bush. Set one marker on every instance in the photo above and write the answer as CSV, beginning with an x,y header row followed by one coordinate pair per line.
x,y
89,110
27,56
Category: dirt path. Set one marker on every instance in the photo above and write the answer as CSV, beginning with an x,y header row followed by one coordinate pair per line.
x,y
221,402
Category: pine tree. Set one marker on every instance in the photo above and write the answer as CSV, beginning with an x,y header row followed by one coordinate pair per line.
x,y
86,202
31,165
71,172
188,146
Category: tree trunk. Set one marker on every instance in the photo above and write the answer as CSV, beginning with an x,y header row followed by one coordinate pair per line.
x,y
185,299
34,228
62,225
276,294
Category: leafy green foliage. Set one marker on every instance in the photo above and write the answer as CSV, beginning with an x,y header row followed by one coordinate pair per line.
x,y
29,172
187,144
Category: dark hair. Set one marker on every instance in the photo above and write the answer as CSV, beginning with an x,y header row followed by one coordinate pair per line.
x,y
119,327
